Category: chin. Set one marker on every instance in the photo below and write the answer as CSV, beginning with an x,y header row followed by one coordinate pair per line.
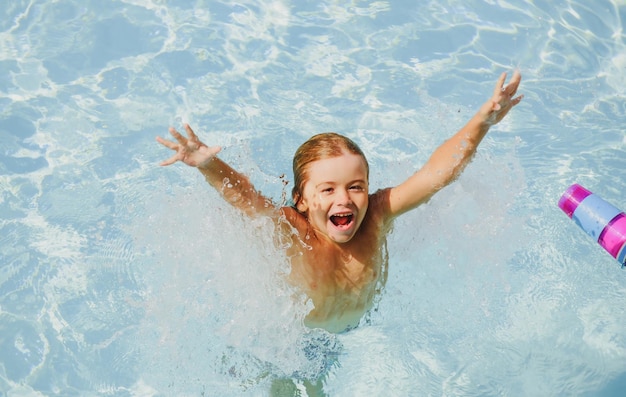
x,y
339,235
341,239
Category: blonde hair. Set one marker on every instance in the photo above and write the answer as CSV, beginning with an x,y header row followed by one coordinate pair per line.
x,y
320,147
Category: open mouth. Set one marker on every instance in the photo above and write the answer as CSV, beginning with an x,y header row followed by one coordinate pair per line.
x,y
342,220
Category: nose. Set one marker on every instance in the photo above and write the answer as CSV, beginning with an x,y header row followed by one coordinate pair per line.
x,y
343,197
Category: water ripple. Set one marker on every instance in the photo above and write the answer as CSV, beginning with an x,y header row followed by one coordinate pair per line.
x,y
120,277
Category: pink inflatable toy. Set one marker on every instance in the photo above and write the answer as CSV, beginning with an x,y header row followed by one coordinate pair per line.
x,y
599,219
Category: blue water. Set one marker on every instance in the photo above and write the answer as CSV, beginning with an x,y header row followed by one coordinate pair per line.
x,y
119,277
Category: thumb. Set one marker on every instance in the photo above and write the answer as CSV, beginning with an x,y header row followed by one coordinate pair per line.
x,y
213,150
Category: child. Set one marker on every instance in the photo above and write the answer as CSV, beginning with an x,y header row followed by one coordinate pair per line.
x,y
337,228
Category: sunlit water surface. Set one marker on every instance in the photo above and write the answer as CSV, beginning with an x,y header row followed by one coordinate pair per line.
x,y
119,277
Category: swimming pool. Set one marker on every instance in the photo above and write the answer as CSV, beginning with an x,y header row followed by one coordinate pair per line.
x,y
118,277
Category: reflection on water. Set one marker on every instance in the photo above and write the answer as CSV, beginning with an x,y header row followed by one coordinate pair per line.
x,y
118,277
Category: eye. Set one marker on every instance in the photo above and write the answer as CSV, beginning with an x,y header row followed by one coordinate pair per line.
x,y
357,188
327,190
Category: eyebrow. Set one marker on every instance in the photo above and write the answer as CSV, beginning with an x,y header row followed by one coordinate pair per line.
x,y
363,181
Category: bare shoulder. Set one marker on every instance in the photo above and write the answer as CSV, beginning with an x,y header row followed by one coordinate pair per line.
x,y
290,213
379,200
379,207
294,218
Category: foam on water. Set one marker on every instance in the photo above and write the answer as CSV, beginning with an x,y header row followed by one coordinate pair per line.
x,y
218,299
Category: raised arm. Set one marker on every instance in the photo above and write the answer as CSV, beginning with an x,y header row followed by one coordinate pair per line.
x,y
234,186
449,159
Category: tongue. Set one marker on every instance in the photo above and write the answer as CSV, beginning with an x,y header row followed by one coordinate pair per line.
x,y
341,220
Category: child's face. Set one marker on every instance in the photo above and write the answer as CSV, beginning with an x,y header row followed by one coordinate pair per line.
x,y
335,196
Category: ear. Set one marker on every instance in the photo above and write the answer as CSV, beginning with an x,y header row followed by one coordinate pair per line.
x,y
302,206
298,202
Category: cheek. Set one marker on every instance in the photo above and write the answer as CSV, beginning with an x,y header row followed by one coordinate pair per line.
x,y
316,204
309,202
363,204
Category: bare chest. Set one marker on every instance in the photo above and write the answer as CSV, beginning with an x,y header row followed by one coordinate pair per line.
x,y
347,271
351,275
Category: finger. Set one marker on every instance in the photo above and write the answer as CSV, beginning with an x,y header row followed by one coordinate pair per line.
x,y
166,143
514,83
192,136
500,84
517,100
170,161
214,150
177,135
516,78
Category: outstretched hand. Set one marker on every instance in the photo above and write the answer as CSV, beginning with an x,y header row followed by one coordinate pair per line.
x,y
189,150
502,100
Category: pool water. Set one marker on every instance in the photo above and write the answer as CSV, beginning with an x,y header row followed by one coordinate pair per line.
x,y
119,277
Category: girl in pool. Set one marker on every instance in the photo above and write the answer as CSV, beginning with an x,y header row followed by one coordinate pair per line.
x,y
338,228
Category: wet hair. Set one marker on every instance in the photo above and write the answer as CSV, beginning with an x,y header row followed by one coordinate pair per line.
x,y
320,147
